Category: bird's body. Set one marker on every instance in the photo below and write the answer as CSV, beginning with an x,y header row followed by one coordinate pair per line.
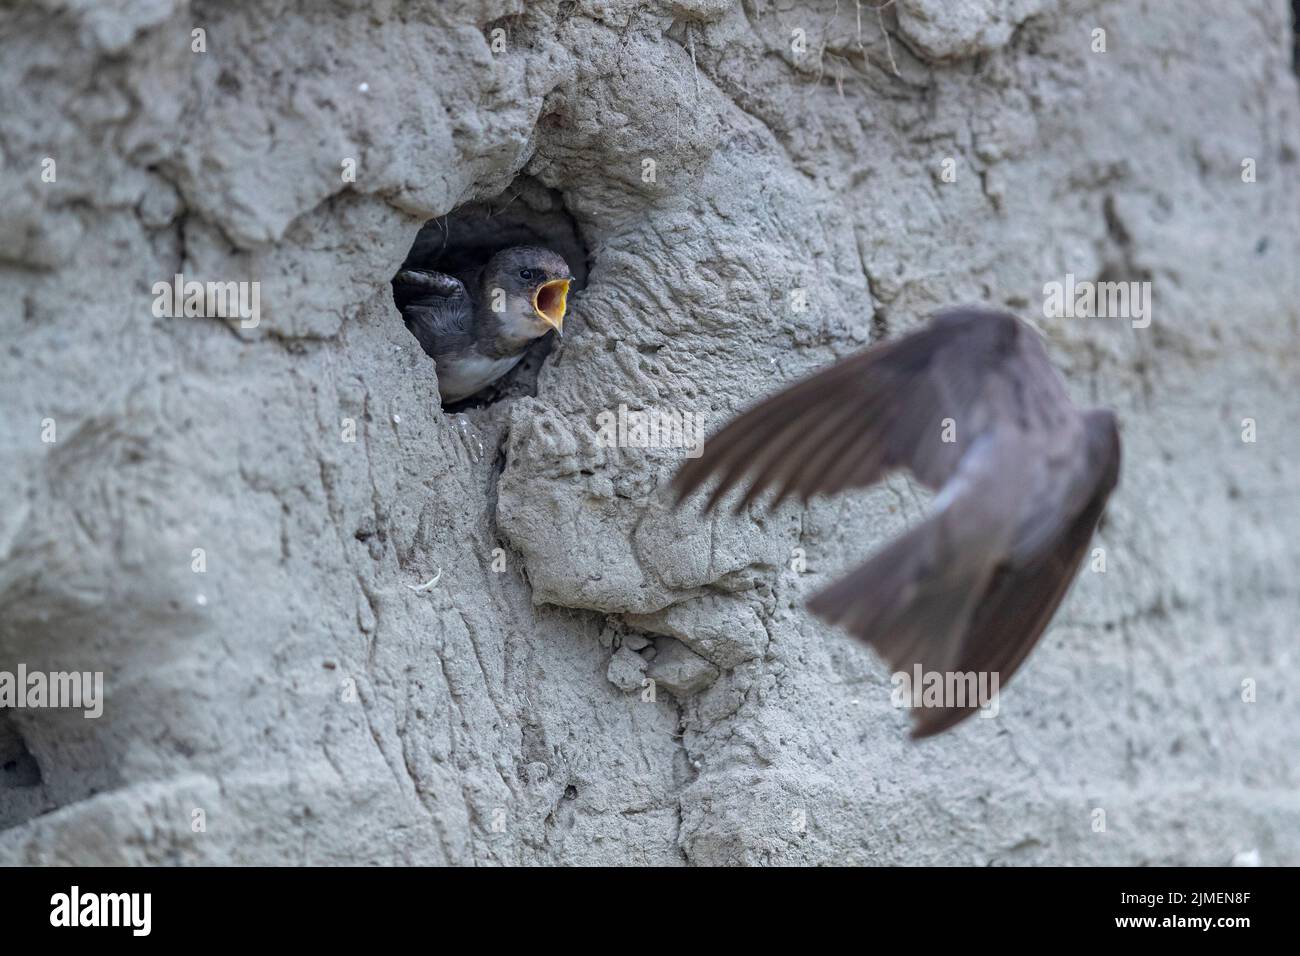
x,y
973,408
477,326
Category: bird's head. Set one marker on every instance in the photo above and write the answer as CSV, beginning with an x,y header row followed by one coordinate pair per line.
x,y
528,287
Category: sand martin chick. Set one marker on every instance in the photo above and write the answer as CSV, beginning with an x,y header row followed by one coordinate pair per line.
x,y
476,326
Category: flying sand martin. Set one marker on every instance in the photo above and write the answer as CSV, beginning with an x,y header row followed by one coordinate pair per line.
x,y
972,407
478,325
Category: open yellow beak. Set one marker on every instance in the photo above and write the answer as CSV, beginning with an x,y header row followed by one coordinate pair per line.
x,y
549,302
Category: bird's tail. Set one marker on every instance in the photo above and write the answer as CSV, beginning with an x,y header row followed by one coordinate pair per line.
x,y
905,598
912,602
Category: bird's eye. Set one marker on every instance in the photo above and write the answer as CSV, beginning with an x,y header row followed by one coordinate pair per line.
x,y
526,274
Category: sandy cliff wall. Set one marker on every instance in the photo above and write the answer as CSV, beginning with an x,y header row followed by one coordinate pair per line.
x,y
317,709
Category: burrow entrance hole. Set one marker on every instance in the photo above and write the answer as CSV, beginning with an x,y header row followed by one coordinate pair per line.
x,y
527,213
21,795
